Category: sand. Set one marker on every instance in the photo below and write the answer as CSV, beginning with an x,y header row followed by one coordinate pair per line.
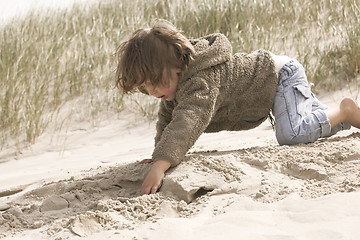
x,y
231,185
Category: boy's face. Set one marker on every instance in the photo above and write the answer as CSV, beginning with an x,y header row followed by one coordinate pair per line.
x,y
165,92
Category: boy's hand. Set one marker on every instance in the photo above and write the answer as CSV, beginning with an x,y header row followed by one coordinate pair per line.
x,y
154,178
148,160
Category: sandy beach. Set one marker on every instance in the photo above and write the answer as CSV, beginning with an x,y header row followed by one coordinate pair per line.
x,y
83,181
231,185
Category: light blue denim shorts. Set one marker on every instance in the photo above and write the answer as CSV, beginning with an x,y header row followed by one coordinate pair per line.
x,y
299,115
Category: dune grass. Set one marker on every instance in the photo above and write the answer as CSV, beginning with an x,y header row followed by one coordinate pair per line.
x,y
54,59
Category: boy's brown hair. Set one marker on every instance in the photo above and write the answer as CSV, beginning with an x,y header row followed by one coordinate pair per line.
x,y
149,52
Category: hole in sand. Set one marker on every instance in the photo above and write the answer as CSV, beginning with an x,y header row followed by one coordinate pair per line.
x,y
201,192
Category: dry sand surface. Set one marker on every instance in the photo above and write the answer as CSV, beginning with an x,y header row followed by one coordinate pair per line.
x,y
231,185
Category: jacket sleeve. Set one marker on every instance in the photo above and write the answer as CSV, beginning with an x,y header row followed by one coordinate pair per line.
x,y
196,103
164,118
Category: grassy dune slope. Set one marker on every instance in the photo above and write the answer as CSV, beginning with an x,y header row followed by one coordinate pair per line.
x,y
58,59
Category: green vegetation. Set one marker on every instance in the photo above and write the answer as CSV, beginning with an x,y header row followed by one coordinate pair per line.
x,y
59,58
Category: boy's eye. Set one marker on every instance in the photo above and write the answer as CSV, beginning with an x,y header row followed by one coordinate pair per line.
x,y
142,89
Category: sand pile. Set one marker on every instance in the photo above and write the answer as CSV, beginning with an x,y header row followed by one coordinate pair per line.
x,y
109,200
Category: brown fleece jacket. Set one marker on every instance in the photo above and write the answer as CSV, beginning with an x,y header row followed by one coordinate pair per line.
x,y
220,91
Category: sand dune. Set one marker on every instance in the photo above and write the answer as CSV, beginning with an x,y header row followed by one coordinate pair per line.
x,y
230,186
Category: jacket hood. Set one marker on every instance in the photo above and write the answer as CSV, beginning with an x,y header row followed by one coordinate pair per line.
x,y
210,50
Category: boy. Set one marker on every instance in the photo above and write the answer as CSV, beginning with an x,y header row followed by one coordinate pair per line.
x,y
205,88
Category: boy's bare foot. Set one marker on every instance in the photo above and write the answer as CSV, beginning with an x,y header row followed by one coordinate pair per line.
x,y
351,112
348,111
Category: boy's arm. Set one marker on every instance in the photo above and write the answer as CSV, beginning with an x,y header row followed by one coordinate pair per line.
x,y
188,120
164,118
195,107
154,178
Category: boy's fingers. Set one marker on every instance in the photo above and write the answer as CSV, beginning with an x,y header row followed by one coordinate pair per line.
x,y
145,190
154,189
146,161
150,190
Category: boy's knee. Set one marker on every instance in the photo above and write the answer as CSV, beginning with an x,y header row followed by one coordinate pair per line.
x,y
284,138
292,139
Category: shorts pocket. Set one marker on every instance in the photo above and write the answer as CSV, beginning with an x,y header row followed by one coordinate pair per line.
x,y
303,99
